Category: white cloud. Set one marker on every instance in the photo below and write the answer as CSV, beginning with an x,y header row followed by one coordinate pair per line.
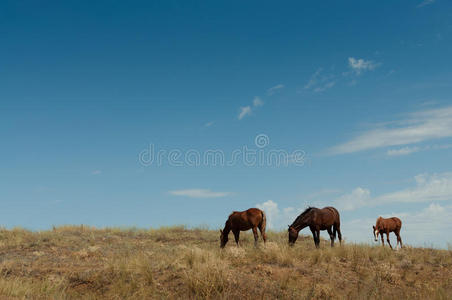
x,y
208,124
324,87
257,102
428,188
273,90
319,83
277,219
199,193
418,127
357,198
402,151
409,150
271,210
430,226
247,110
425,2
435,187
244,111
361,65
313,80
96,172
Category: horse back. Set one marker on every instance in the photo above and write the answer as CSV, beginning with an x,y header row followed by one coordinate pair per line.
x,y
244,220
325,217
331,215
397,222
391,224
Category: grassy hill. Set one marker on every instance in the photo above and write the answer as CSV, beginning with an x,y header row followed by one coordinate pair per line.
x,y
73,262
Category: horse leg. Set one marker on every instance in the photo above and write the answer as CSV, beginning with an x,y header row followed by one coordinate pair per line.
x,y
256,236
264,236
398,242
317,242
399,239
318,239
331,236
339,234
314,235
382,238
387,238
236,236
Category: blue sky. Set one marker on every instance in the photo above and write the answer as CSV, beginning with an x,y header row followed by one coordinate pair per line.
x,y
361,89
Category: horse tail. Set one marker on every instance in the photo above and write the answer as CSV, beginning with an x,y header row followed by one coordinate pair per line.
x,y
337,223
338,215
264,221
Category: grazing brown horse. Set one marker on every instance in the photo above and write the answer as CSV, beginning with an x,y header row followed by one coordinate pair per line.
x,y
252,218
386,226
317,219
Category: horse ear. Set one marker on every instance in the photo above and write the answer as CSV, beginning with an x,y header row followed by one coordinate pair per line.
x,y
221,231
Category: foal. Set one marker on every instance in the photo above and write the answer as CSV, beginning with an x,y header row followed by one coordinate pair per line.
x,y
386,226
252,218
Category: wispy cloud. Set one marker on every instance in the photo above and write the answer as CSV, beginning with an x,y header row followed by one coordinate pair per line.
x,y
320,82
425,2
199,193
247,110
96,172
360,65
409,150
428,188
417,127
314,79
244,111
324,87
274,89
208,124
257,102
402,151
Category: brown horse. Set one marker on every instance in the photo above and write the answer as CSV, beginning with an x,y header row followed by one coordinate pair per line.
x,y
252,218
317,219
386,226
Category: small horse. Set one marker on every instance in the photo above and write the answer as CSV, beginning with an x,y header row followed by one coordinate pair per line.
x,y
252,218
386,226
317,219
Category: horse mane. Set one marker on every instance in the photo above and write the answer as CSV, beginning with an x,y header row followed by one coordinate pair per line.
x,y
306,211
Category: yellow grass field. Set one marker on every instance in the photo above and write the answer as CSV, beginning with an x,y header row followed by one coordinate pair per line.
x,y
74,262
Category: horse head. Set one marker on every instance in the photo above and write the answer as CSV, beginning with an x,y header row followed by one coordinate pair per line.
x,y
293,235
223,239
375,232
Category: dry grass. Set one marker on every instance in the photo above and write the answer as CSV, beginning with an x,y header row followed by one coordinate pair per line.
x,y
83,262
